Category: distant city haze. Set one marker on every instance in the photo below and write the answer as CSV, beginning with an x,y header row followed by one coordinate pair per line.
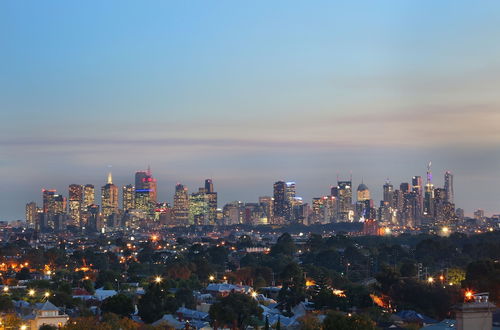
x,y
248,94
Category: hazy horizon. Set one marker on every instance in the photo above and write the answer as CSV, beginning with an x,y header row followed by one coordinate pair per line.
x,y
248,94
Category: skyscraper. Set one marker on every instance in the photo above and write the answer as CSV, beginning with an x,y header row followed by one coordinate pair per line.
x,y
109,197
429,194
128,197
75,197
344,199
266,202
31,214
212,201
388,192
198,208
88,195
181,205
282,207
48,200
448,187
145,190
418,190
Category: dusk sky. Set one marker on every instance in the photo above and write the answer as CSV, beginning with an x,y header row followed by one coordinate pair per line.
x,y
248,93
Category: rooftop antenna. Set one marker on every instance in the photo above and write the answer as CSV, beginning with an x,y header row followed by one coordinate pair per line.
x,y
149,170
110,176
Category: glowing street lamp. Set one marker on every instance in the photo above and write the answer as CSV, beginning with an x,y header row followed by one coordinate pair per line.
x,y
6,289
158,279
23,327
430,279
47,294
31,292
211,278
254,294
469,295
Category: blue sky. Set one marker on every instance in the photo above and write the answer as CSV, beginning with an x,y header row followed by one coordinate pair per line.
x,y
249,93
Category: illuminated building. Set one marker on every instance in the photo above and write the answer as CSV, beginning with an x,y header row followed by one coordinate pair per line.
x,y
388,192
128,197
363,193
181,205
109,197
429,194
88,195
448,187
417,189
48,200
318,210
212,201
145,190
75,198
31,214
282,207
233,213
266,203
59,204
344,200
198,208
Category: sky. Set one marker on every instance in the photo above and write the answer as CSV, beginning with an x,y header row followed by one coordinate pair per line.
x,y
248,93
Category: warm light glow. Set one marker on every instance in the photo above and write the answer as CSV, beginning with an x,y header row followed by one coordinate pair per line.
x,y
154,238
47,294
23,327
468,295
5,288
310,283
445,230
338,293
31,292
254,294
211,278
158,279
430,280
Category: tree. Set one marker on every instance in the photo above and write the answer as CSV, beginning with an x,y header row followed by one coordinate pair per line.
x,y
236,309
6,303
156,302
47,327
285,245
293,289
184,297
119,304
309,322
338,321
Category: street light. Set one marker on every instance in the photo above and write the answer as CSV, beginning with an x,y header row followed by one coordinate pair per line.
x,y
158,279
31,292
6,289
47,294
211,278
430,279
23,327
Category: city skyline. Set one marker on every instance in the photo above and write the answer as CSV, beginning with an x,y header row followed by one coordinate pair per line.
x,y
249,94
375,194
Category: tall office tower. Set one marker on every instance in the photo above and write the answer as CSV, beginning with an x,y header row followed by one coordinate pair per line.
x,y
233,213
109,197
318,210
31,214
181,205
59,204
444,211
405,187
388,190
417,183
145,190
75,197
198,208
344,199
212,201
290,191
266,202
128,197
397,204
363,193
282,207
48,200
209,186
88,195
408,209
448,187
429,194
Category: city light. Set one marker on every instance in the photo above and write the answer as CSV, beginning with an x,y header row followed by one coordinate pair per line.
x,y
5,289
211,278
430,279
47,294
469,295
254,294
158,279
31,292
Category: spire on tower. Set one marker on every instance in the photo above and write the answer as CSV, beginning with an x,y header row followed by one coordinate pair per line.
x,y
110,178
